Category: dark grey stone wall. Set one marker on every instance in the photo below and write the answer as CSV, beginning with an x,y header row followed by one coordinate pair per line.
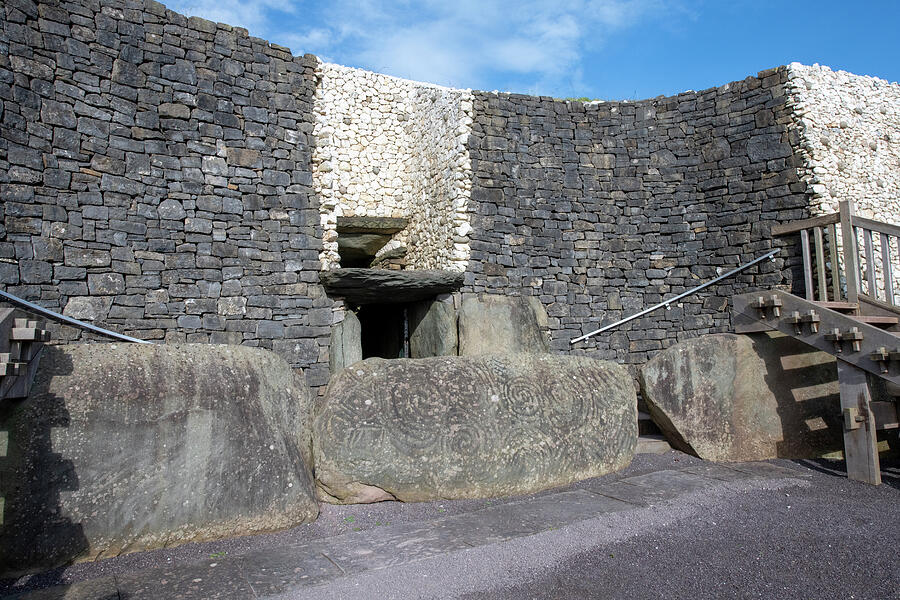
x,y
603,209
155,177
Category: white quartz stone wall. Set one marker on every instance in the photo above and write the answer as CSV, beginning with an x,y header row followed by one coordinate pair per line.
x,y
390,147
849,129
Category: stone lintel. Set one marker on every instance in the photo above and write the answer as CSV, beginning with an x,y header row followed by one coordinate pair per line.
x,y
381,225
383,286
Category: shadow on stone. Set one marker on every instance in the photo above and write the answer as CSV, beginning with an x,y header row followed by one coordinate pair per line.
x,y
35,532
807,397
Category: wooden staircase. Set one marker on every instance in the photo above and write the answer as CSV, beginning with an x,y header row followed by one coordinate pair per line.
x,y
21,340
851,310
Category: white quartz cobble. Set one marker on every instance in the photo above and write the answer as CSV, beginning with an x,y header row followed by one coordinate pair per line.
x,y
849,131
389,147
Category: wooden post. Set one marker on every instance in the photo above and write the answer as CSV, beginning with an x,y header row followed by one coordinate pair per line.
x,y
835,267
820,264
887,267
860,443
807,264
872,287
851,265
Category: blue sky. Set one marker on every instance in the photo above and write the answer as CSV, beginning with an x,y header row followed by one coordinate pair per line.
x,y
607,49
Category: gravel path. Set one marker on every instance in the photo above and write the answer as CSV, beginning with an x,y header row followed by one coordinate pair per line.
x,y
818,537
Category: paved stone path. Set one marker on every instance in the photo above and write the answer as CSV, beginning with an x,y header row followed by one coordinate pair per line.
x,y
294,571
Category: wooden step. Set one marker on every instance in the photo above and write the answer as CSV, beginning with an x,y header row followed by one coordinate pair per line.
x,y
885,414
12,369
29,334
877,321
849,307
652,444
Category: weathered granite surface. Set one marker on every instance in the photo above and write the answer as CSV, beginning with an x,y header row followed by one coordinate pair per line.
x,y
731,397
470,427
433,328
492,324
126,447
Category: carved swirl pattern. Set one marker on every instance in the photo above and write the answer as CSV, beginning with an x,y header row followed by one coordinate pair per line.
x,y
501,423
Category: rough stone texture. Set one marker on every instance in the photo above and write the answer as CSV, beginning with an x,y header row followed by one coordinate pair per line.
x,y
471,427
206,170
382,286
491,324
388,147
849,126
728,397
433,328
600,209
849,130
346,343
126,447
160,165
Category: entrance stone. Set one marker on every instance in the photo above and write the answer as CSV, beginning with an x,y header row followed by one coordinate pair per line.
x,y
471,427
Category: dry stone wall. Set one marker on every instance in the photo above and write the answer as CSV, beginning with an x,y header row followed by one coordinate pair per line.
x,y
605,208
178,180
849,127
155,177
389,147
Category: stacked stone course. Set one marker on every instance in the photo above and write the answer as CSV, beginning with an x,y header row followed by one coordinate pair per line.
x,y
176,179
156,179
601,209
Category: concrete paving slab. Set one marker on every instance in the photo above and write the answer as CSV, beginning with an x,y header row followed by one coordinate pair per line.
x,y
671,482
652,488
766,470
103,588
271,572
637,495
390,546
517,519
218,579
718,472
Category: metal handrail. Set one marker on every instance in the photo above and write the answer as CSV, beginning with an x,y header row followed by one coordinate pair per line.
x,y
666,303
46,312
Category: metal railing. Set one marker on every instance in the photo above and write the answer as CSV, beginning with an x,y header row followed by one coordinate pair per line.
x,y
665,303
46,312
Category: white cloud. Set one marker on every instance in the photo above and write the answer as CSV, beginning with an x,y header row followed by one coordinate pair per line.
x,y
534,44
255,15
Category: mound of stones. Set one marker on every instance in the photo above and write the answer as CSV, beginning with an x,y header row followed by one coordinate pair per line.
x,y
471,427
126,447
729,397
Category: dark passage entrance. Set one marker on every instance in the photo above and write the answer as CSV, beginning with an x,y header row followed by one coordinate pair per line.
x,y
384,330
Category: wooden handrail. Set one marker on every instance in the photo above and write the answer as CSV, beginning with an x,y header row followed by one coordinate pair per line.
x,y
795,226
878,226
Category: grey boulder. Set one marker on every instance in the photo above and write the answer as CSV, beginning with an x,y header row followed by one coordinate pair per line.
x,y
471,427
727,397
127,447
493,324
